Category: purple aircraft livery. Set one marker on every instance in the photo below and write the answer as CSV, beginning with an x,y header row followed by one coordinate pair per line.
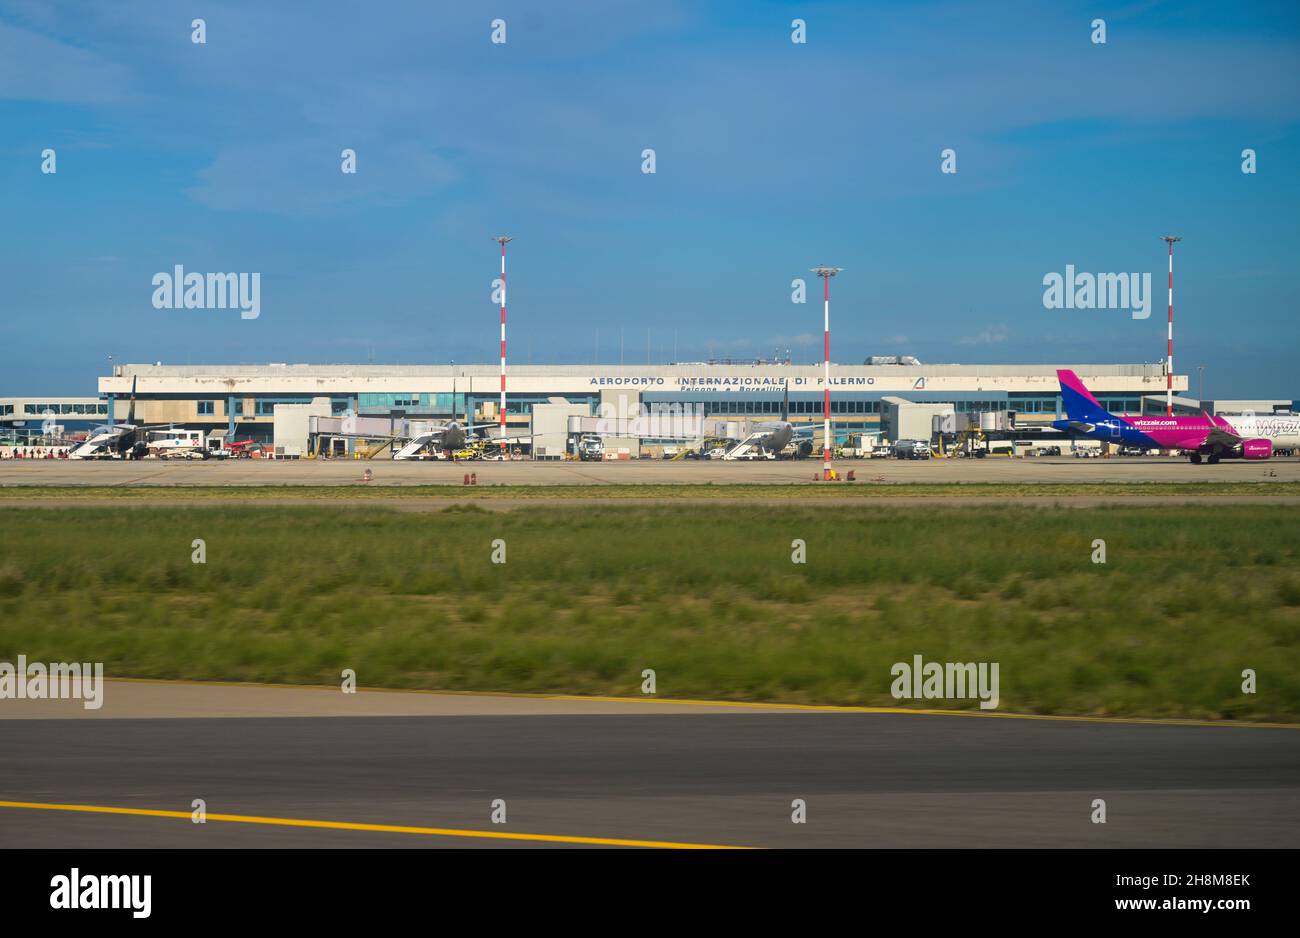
x,y
1250,436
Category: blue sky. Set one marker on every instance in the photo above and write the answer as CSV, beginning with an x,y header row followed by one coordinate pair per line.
x,y
771,157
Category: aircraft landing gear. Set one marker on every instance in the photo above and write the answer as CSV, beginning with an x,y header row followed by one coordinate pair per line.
x,y
1194,458
1212,460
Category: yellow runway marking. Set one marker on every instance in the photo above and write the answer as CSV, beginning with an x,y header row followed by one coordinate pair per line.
x,y
375,828
832,708
736,704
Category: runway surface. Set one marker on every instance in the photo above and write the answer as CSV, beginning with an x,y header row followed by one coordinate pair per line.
x,y
245,472
712,778
442,503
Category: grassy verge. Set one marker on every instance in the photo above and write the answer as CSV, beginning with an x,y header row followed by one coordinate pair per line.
x,y
808,491
707,596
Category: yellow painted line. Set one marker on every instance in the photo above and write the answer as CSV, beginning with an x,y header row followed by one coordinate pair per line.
x,y
376,828
831,708
734,704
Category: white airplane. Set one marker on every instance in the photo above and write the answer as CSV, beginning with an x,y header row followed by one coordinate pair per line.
x,y
443,438
119,441
770,438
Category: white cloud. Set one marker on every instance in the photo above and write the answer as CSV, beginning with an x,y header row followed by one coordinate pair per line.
x,y
305,176
34,68
803,338
990,336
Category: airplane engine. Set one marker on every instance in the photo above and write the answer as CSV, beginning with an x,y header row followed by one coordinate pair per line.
x,y
805,448
1256,449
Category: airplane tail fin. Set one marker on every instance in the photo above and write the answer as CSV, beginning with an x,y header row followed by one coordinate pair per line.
x,y
1080,405
785,405
130,416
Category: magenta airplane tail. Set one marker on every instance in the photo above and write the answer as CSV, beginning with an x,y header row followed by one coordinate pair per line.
x,y
1080,405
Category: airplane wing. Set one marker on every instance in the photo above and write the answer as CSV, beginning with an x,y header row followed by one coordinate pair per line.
x,y
1220,439
479,426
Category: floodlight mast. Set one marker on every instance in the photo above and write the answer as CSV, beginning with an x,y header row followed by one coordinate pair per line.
x,y
503,240
1169,361
826,273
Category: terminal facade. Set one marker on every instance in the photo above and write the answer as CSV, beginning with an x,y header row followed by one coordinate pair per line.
x,y
242,399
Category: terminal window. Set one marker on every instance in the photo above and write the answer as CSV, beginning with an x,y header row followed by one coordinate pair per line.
x,y
382,403
266,408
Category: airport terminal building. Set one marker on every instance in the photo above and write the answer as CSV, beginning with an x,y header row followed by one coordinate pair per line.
x,y
242,399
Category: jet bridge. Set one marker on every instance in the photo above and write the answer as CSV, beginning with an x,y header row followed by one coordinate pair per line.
x,y
652,426
386,431
746,435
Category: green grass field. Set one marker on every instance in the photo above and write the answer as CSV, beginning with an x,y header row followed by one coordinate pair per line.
x,y
706,595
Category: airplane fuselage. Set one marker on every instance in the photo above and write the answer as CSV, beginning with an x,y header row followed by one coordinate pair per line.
x,y
1186,433
780,436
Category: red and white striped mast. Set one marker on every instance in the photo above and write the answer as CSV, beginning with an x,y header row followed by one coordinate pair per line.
x,y
503,240
826,273
1169,361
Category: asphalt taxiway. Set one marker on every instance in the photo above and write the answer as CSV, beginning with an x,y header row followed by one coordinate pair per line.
x,y
387,472
631,773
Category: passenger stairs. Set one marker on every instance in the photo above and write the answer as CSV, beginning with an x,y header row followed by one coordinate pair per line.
x,y
748,448
411,449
